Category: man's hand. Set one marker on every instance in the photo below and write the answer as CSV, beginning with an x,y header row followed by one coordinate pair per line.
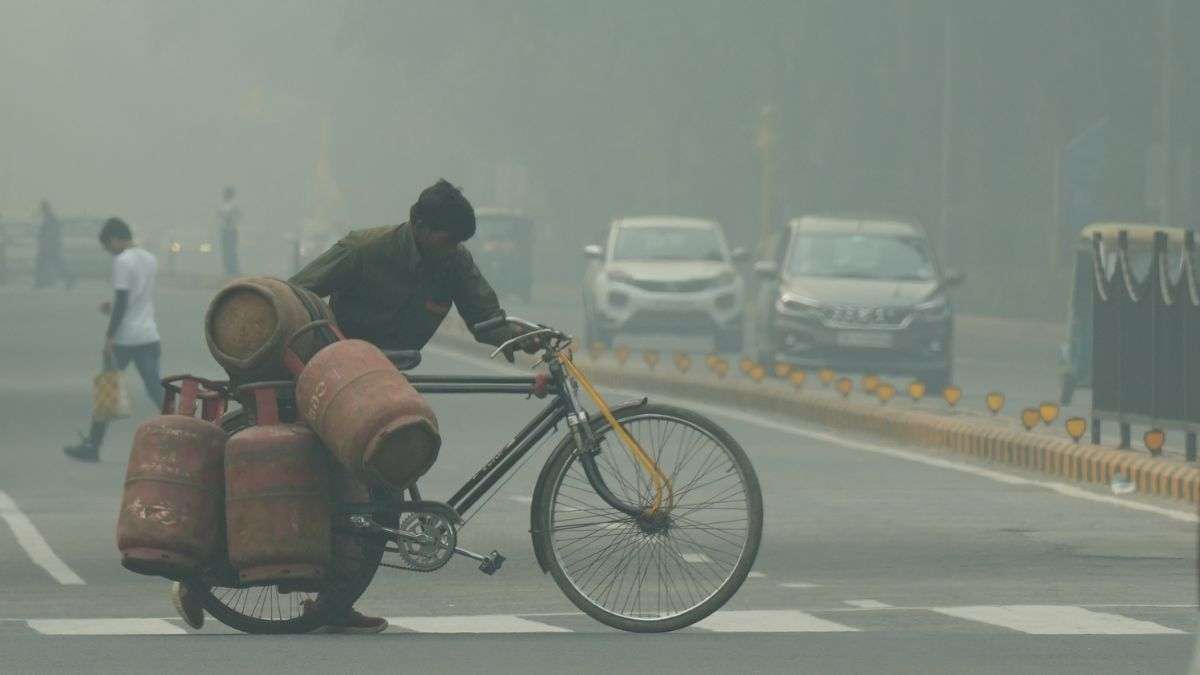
x,y
106,307
530,345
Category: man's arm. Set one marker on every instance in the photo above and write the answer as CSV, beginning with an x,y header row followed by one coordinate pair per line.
x,y
330,272
120,305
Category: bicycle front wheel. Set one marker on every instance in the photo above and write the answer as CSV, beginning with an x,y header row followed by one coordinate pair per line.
x,y
660,572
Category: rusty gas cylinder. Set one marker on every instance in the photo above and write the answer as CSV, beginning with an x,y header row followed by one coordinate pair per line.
x,y
368,414
170,519
250,321
278,506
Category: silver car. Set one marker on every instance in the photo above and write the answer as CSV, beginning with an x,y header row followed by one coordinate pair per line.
x,y
664,275
856,294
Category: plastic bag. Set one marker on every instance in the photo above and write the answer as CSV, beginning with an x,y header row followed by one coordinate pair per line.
x,y
110,398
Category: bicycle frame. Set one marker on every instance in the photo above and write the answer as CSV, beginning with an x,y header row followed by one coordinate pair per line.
x,y
563,407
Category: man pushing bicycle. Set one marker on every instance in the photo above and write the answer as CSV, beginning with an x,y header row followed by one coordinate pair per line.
x,y
392,286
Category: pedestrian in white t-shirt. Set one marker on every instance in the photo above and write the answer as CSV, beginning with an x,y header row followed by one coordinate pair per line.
x,y
132,333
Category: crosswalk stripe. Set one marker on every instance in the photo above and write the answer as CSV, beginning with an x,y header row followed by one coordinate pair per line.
x,y
104,627
868,604
770,621
1056,620
477,623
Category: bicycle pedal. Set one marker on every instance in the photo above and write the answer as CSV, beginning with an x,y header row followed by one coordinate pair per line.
x,y
491,563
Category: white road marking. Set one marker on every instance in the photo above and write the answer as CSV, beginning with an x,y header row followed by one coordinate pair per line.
x,y
799,584
868,604
479,623
1056,620
750,418
696,558
770,621
756,575
521,498
105,627
34,544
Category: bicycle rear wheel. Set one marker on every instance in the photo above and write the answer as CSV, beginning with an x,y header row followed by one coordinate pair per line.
x,y
275,610
651,573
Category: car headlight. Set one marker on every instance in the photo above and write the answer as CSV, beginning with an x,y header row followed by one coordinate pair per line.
x,y
933,310
619,277
794,305
726,278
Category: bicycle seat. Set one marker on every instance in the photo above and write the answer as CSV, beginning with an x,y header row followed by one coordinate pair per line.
x,y
403,359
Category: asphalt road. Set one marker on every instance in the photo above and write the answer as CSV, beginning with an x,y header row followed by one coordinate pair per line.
x,y
872,560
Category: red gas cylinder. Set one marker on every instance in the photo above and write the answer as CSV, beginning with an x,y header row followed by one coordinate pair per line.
x,y
368,414
170,519
278,507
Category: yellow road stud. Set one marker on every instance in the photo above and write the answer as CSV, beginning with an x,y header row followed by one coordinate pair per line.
x,y
844,386
1048,411
797,378
994,401
1076,427
1155,439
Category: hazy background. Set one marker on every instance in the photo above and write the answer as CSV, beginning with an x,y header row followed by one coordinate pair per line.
x,y
1002,126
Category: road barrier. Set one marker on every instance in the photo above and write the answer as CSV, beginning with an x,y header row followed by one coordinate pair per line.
x,y
1062,457
1145,355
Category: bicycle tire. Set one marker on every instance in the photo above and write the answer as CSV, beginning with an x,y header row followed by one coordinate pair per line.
x,y
335,597
545,504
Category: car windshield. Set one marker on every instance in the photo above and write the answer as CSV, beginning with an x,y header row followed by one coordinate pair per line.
x,y
861,256
668,243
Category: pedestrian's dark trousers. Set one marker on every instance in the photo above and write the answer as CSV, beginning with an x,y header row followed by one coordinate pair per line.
x,y
145,358
229,251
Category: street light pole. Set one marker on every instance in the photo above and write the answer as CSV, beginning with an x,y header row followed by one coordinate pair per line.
x,y
1167,212
944,218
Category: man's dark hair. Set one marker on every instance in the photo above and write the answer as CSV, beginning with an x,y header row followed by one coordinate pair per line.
x,y
115,228
443,207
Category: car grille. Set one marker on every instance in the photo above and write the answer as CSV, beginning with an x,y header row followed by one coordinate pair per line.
x,y
686,286
850,315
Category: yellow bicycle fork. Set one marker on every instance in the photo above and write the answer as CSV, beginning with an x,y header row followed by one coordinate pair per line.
x,y
660,481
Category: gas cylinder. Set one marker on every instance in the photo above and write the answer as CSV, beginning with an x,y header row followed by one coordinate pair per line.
x,y
373,420
278,506
170,519
250,321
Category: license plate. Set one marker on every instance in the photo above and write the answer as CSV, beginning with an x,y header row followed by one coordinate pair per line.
x,y
872,339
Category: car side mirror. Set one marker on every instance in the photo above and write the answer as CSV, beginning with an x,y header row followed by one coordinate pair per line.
x,y
952,278
739,254
593,251
766,269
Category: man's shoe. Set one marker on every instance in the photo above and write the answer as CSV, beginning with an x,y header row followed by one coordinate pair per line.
x,y
84,451
352,623
355,623
188,605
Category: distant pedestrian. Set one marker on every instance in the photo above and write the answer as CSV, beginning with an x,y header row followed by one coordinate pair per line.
x,y
229,216
132,333
49,265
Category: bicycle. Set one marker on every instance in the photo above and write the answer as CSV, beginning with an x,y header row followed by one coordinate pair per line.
x,y
647,516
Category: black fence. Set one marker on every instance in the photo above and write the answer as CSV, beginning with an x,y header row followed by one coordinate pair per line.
x,y
1146,339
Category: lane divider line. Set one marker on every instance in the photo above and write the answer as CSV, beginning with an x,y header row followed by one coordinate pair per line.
x,y
35,544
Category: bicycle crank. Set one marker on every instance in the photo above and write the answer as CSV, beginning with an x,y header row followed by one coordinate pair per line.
x,y
488,564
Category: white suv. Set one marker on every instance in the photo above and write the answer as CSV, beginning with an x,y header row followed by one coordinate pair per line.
x,y
664,275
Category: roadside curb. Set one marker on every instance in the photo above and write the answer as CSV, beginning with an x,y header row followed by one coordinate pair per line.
x,y
1082,462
